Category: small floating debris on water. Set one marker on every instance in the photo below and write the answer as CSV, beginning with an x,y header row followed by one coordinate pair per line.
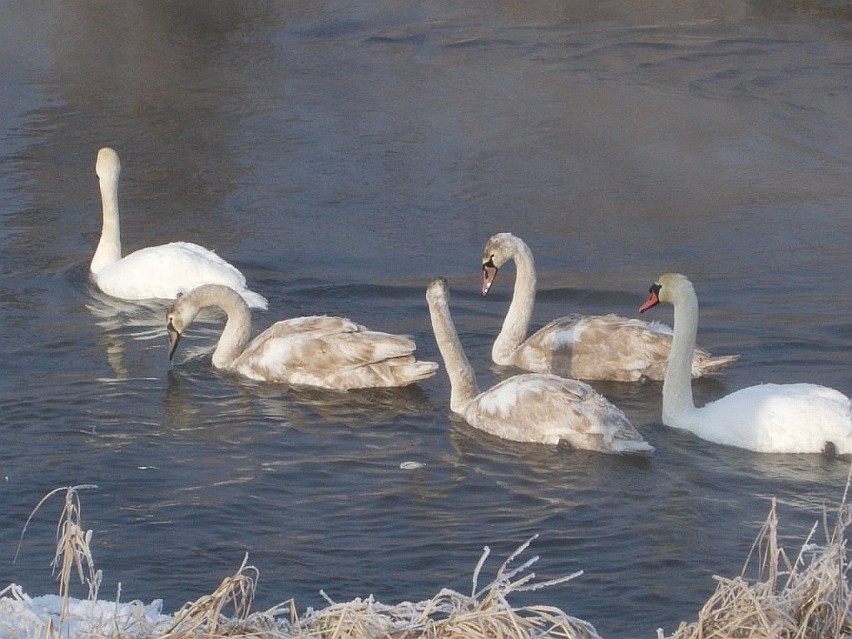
x,y
410,465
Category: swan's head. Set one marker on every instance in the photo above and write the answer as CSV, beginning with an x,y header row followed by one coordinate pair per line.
x,y
187,306
667,289
108,166
438,291
499,249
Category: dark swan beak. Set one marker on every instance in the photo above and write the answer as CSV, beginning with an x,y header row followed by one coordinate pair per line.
x,y
174,339
489,272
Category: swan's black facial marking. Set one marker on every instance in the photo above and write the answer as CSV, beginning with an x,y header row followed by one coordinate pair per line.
x,y
653,297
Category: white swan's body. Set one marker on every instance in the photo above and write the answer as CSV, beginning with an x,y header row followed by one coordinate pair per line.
x,y
769,418
156,272
322,351
601,347
533,407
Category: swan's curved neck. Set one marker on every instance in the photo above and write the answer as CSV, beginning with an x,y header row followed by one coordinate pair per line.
x,y
518,317
677,387
109,247
463,386
237,327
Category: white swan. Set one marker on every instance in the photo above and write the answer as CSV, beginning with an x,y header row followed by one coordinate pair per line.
x,y
328,352
531,407
599,347
769,418
156,272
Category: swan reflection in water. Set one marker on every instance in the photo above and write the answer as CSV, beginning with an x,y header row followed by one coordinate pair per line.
x,y
123,322
197,395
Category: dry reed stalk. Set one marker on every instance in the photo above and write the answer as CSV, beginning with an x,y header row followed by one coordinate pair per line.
x,y
72,547
806,599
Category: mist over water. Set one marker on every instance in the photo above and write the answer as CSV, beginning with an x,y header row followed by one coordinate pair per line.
x,y
343,155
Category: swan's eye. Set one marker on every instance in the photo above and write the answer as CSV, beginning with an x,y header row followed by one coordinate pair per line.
x,y
655,289
489,263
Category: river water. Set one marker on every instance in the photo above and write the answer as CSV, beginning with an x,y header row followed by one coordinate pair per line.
x,y
344,154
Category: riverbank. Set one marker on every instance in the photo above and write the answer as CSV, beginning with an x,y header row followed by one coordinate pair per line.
x,y
806,595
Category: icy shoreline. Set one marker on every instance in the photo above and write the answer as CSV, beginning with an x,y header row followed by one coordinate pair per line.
x,y
25,617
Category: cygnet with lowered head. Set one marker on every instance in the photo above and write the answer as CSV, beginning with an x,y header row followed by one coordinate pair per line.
x,y
322,351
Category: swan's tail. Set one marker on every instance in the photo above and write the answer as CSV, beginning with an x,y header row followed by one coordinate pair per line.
x,y
254,300
633,447
391,373
627,440
709,365
415,371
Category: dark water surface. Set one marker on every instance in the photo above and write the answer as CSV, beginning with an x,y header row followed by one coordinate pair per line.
x,y
342,155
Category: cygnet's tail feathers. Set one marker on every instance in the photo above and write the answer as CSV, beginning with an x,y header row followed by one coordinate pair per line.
x,y
634,447
712,365
426,369
415,371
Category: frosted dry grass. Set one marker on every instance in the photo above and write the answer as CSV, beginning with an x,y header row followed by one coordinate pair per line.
x,y
485,613
221,612
808,598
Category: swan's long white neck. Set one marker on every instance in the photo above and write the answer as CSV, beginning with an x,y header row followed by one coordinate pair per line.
x,y
463,387
109,247
237,327
518,317
678,404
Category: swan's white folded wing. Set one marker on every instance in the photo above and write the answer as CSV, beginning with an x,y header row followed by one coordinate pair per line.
x,y
165,271
780,418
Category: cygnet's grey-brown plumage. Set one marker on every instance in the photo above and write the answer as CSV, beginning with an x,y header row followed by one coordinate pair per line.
x,y
322,351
